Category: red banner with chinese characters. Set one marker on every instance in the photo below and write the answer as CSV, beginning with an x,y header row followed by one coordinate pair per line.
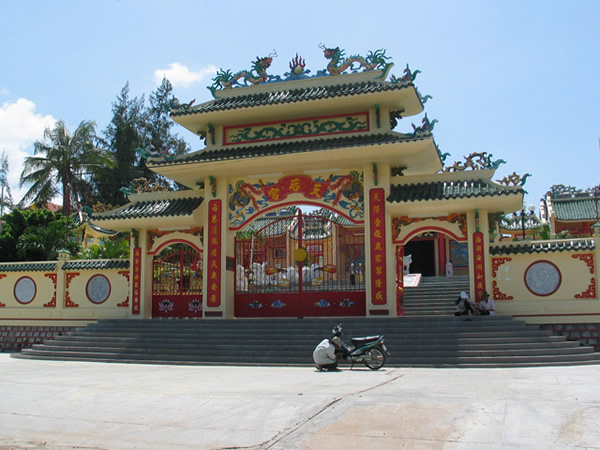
x,y
214,254
479,261
377,239
137,281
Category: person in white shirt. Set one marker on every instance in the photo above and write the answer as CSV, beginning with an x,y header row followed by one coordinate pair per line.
x,y
486,306
325,356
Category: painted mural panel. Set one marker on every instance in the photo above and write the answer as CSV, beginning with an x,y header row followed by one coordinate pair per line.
x,y
294,129
342,192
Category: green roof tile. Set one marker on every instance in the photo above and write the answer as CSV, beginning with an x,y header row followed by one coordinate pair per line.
x,y
544,247
99,264
28,267
291,96
575,208
514,223
153,208
443,190
280,148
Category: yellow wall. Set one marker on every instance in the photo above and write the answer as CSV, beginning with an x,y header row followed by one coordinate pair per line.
x,y
574,300
64,302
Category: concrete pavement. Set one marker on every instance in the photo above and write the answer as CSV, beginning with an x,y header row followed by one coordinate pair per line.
x,y
65,405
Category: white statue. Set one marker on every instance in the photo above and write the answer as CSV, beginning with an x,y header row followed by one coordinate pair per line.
x,y
407,260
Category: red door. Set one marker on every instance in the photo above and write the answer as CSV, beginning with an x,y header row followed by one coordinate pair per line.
x,y
177,282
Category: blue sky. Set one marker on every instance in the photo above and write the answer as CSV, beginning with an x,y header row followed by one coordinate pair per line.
x,y
516,79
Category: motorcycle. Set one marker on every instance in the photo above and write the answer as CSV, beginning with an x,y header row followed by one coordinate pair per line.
x,y
370,350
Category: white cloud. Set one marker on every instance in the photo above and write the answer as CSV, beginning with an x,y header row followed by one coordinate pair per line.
x,y
181,76
20,127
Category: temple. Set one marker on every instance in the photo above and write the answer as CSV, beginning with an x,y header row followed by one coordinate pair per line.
x,y
310,193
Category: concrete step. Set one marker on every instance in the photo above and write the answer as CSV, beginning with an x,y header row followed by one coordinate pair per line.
x,y
419,342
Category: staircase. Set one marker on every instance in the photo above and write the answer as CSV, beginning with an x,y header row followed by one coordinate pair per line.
x,y
433,341
435,296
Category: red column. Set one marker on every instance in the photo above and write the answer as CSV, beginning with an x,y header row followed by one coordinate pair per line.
x,y
214,254
441,240
479,261
378,250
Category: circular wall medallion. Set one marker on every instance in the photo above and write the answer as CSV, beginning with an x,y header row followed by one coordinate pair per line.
x,y
542,278
98,289
25,290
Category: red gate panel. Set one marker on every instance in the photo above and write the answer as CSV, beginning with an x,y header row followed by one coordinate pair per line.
x,y
177,283
300,266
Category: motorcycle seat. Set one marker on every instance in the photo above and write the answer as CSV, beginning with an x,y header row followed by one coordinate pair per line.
x,y
364,339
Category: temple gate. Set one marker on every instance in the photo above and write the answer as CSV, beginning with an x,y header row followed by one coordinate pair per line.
x,y
300,265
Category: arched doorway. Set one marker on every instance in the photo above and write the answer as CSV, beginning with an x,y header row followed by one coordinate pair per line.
x,y
290,264
431,251
177,282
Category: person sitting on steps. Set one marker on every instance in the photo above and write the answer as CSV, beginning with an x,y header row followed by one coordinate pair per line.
x,y
486,306
464,306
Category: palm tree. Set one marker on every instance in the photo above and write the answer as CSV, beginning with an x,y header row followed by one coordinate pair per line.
x,y
63,159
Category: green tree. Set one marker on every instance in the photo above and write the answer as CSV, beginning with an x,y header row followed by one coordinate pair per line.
x,y
543,233
42,243
31,221
117,248
6,201
64,160
159,124
125,132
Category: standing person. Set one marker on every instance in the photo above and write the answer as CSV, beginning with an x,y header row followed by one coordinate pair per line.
x,y
325,356
352,274
360,272
486,306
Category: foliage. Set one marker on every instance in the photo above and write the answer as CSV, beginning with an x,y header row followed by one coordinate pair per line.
x,y
17,222
136,126
158,125
5,194
42,243
494,220
34,235
543,233
64,159
122,136
113,248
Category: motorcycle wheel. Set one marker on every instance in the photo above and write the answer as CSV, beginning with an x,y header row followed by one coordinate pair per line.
x,y
374,359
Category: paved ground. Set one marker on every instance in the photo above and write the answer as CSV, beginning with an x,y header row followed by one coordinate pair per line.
x,y
117,406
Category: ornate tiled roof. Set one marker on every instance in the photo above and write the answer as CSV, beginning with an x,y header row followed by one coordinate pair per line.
x,y
30,267
153,208
77,223
543,247
443,190
291,96
301,146
515,223
575,209
314,226
98,264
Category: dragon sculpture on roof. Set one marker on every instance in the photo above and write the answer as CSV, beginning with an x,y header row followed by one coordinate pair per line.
x,y
475,161
225,79
338,64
